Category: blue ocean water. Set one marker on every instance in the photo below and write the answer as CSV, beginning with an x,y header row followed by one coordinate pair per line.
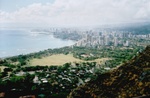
x,y
16,42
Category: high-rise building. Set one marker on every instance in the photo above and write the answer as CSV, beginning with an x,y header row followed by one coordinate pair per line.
x,y
107,40
102,41
126,43
116,41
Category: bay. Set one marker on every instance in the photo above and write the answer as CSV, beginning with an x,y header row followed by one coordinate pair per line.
x,y
16,42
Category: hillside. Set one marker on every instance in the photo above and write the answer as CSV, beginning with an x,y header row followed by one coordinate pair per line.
x,y
132,79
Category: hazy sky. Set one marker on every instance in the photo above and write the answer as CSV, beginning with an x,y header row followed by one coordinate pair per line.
x,y
72,12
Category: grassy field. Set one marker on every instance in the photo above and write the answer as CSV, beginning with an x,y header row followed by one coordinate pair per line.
x,y
60,59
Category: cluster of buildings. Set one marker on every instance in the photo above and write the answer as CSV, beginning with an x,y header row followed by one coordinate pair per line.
x,y
116,38
97,37
55,79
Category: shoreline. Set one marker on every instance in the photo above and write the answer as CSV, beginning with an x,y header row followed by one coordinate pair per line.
x,y
22,42
33,52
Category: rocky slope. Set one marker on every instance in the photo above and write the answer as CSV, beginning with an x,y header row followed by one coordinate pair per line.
x,y
132,79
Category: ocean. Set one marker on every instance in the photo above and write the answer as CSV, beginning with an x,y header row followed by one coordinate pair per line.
x,y
16,42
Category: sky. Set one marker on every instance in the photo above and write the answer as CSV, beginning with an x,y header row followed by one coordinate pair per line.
x,y
28,13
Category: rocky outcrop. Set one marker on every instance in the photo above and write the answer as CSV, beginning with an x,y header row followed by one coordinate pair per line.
x,y
132,79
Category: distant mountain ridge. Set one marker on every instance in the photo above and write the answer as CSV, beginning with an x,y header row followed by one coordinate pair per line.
x,y
135,28
130,80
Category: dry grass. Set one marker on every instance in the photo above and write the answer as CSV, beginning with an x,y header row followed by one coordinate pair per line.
x,y
2,68
60,59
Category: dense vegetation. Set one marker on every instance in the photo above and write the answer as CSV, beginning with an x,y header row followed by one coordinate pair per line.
x,y
52,81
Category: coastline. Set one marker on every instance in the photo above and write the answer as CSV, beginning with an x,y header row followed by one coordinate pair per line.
x,y
22,42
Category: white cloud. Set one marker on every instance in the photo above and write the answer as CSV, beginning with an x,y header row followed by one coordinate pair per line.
x,y
143,12
80,12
